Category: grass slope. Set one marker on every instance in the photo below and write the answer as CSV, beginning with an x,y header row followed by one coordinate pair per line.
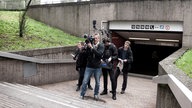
x,y
37,35
185,63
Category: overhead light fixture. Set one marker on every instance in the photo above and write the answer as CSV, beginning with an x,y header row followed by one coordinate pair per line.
x,y
167,40
139,38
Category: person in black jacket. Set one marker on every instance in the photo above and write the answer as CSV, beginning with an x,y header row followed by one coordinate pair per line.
x,y
109,55
93,66
81,64
125,58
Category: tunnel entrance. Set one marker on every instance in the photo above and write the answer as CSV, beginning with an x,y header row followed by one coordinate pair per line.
x,y
151,42
146,57
147,53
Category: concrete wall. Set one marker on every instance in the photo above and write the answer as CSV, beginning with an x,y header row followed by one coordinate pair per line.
x,y
14,70
76,18
49,53
12,4
73,19
165,97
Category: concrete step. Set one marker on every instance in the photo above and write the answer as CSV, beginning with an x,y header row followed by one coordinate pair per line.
x,y
68,97
30,97
7,102
56,96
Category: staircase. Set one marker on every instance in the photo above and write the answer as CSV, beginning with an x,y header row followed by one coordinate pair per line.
x,y
27,96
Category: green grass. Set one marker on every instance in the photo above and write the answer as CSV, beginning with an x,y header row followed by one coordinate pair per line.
x,y
37,34
185,63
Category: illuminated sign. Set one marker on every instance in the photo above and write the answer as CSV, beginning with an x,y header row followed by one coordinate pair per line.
x,y
146,26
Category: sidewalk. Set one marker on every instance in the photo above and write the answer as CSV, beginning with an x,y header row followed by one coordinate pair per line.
x,y
140,92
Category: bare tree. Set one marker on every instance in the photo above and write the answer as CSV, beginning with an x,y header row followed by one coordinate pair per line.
x,y
22,19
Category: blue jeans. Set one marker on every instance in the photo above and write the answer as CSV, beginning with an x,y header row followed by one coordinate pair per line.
x,y
87,75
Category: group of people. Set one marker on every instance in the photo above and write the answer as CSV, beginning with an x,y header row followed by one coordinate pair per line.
x,y
98,58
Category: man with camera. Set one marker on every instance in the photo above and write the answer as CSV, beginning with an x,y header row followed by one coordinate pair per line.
x,y
109,55
94,54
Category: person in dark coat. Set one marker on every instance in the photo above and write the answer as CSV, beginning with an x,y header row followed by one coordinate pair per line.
x,y
125,59
109,55
94,52
81,61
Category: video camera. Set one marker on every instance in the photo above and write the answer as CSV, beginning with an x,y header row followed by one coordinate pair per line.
x,y
89,39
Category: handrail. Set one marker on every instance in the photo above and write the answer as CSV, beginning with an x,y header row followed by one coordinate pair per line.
x,y
33,59
180,91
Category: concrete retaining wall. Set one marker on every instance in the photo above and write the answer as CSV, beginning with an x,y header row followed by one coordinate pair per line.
x,y
20,71
12,4
165,97
77,18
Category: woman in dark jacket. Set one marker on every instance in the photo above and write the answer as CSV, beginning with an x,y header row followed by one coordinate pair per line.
x,y
125,58
81,61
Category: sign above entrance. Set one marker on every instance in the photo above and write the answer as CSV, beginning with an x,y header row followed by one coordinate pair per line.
x,y
146,26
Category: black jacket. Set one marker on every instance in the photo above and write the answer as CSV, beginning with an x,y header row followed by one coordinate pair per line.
x,y
110,51
81,61
94,56
128,56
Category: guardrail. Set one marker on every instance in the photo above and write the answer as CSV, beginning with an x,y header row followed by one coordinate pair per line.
x,y
180,91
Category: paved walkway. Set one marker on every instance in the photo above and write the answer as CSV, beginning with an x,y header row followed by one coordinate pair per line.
x,y
140,93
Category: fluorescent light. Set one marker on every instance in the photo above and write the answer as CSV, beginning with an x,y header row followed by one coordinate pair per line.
x,y
139,38
167,40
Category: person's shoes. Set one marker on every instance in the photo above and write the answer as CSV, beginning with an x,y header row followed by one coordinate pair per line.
x,y
103,93
78,88
122,92
96,97
82,97
111,91
114,97
89,87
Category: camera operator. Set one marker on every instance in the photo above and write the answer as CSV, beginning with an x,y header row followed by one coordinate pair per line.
x,y
110,54
81,64
94,53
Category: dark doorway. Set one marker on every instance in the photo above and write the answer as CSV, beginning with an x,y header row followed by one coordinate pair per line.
x,y
146,57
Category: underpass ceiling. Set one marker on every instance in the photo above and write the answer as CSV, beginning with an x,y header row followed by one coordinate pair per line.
x,y
152,38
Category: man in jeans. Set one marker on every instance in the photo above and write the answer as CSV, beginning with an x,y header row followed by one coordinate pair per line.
x,y
94,53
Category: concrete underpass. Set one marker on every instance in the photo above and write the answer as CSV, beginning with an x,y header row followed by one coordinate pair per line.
x,y
148,46
147,54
